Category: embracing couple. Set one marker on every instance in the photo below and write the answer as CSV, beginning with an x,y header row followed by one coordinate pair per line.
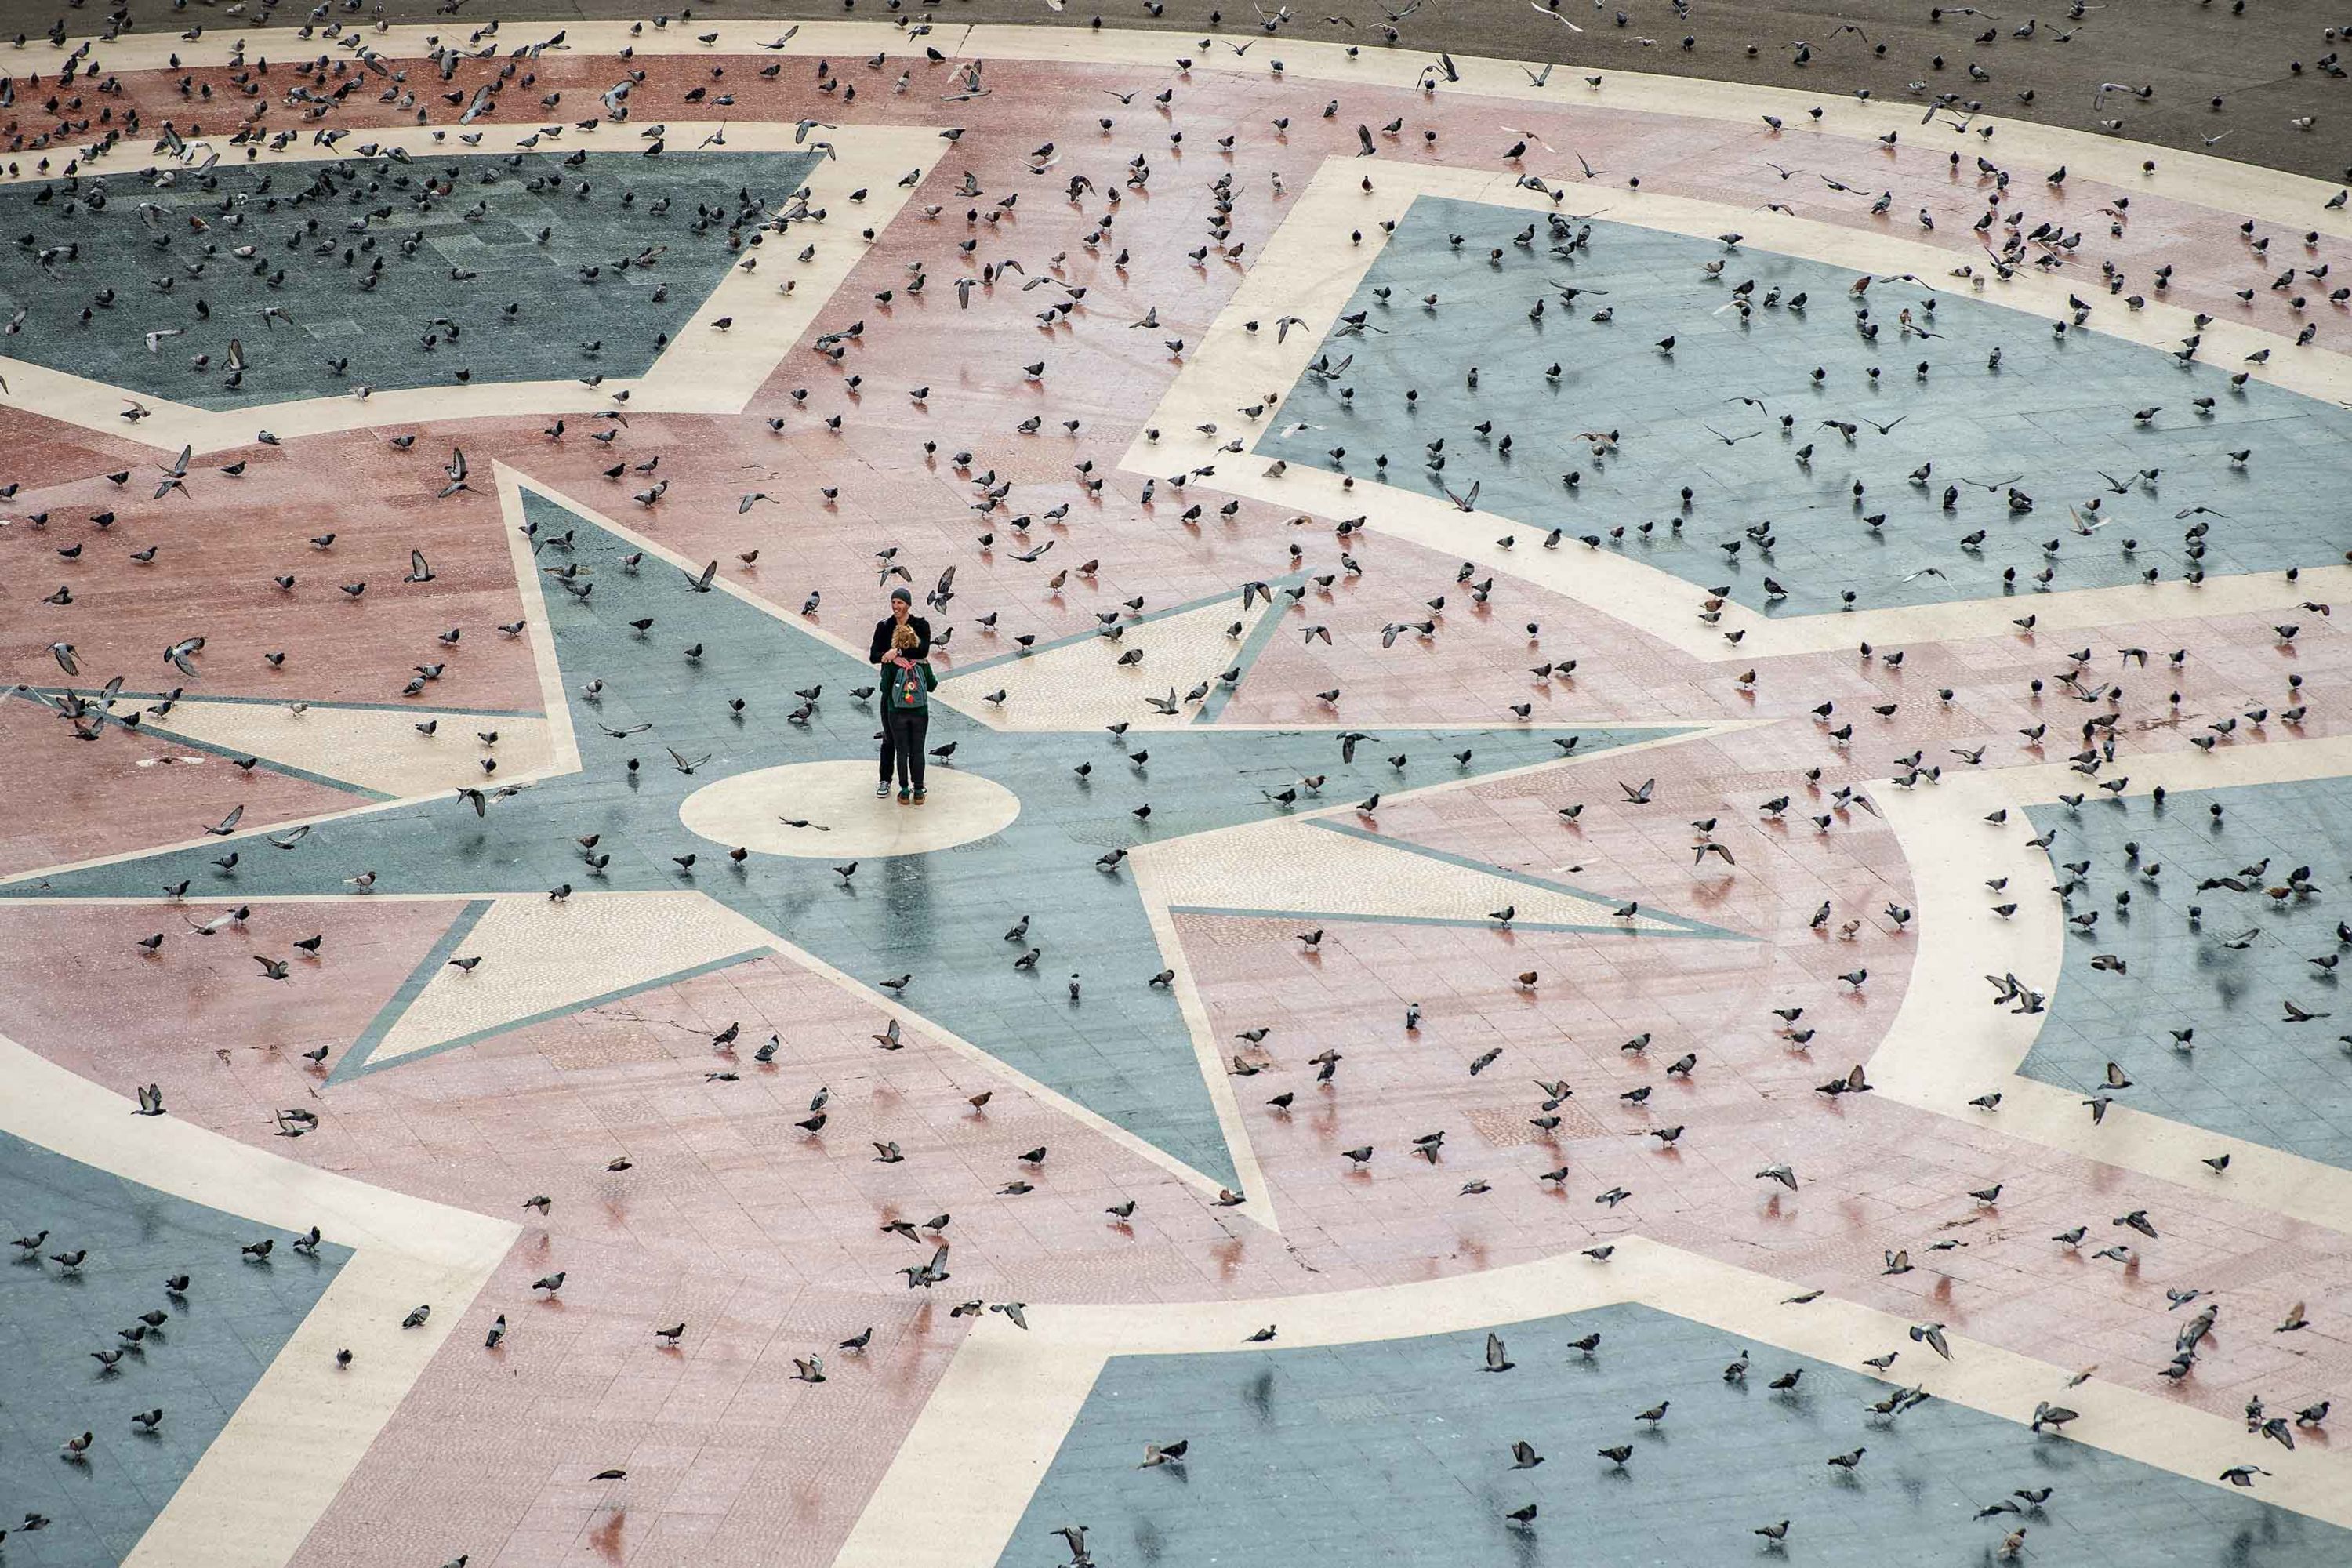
x,y
902,657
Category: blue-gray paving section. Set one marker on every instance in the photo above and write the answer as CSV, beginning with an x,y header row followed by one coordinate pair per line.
x,y
1400,1452
197,1366
2057,414
599,260
2207,947
1123,1049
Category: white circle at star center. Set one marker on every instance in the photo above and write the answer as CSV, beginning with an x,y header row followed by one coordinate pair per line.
x,y
749,810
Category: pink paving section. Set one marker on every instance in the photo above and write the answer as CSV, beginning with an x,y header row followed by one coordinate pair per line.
x,y
766,1240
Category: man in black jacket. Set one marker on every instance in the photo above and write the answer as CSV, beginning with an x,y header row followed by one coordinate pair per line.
x,y
902,606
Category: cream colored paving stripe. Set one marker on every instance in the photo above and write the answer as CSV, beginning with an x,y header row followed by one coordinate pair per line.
x,y
295,1438
551,957
375,748
563,745
965,1474
2197,178
1948,1044
1288,863
1312,265
703,369
1081,684
1688,732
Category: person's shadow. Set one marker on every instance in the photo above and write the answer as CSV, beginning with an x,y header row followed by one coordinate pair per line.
x,y
910,931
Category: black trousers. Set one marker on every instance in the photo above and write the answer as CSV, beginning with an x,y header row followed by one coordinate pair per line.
x,y
903,733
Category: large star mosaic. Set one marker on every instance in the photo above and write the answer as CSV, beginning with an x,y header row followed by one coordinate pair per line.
x,y
693,707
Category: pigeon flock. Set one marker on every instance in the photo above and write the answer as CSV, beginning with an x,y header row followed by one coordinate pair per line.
x,y
1339,943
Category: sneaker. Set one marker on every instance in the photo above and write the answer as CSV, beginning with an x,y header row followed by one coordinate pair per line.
x,y
904,796
882,790
918,798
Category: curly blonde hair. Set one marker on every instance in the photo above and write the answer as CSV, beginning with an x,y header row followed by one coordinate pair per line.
x,y
905,640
